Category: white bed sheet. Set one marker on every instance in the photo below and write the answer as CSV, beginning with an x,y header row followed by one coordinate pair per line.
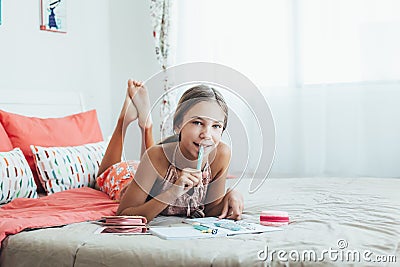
x,y
364,212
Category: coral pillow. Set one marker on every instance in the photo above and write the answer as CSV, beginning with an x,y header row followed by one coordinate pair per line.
x,y
5,143
73,130
63,168
16,179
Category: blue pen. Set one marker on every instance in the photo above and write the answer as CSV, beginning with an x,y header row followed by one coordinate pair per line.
x,y
200,157
204,229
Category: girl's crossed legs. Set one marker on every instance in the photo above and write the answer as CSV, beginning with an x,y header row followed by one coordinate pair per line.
x,y
136,106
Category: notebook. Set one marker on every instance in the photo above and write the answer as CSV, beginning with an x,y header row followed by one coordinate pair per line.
x,y
190,232
231,227
182,232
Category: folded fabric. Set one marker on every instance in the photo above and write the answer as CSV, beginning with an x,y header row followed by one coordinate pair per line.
x,y
71,206
73,130
16,179
63,168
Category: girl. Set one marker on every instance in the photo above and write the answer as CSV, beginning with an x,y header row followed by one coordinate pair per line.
x,y
166,180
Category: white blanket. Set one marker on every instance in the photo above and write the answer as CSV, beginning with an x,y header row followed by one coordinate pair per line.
x,y
345,217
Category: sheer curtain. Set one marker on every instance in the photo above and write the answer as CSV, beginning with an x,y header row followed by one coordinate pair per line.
x,y
349,41
330,70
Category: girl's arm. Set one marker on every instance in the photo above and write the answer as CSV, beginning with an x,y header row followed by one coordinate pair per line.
x,y
216,189
133,201
215,194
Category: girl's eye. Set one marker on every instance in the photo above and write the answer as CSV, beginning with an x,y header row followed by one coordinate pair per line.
x,y
217,126
196,123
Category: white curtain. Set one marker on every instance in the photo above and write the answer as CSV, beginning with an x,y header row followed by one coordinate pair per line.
x,y
330,70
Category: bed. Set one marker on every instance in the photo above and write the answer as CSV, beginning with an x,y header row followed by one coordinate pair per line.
x,y
333,222
325,213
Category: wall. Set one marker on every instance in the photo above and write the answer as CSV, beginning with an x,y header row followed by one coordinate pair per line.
x,y
105,44
132,56
76,61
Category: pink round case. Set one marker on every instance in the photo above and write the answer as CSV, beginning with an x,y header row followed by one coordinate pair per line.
x,y
274,218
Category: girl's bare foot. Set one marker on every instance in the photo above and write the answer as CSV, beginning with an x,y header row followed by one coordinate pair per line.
x,y
129,112
142,103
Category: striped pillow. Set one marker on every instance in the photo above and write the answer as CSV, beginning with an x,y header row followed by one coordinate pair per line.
x,y
63,168
16,179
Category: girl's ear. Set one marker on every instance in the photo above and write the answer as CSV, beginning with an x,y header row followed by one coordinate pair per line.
x,y
177,133
177,129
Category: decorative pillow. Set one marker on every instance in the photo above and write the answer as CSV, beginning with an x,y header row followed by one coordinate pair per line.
x,y
73,130
63,168
116,178
16,179
5,143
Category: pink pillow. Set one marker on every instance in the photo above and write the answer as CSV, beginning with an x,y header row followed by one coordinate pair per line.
x,y
73,130
5,143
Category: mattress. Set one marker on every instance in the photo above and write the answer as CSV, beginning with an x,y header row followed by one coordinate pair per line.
x,y
333,222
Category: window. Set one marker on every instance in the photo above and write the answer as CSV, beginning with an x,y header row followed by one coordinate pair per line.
x,y
286,42
249,36
350,40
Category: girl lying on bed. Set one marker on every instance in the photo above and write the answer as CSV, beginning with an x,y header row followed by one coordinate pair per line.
x,y
166,180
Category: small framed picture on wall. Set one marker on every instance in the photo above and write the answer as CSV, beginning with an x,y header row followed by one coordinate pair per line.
x,y
53,16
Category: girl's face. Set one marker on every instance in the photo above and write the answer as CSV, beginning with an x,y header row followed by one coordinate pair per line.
x,y
202,125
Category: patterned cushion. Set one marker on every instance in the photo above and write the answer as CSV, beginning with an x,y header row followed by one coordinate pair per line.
x,y
63,168
16,179
117,177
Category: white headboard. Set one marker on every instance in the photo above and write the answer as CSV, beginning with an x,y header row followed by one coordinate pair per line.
x,y
41,104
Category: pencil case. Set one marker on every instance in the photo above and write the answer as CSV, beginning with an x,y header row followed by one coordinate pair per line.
x,y
123,229
124,224
124,221
274,218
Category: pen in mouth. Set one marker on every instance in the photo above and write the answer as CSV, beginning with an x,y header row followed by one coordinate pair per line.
x,y
200,157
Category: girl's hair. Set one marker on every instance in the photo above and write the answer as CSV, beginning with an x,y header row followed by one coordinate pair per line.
x,y
190,98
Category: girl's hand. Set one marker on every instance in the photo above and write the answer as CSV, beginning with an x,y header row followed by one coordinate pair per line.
x,y
233,205
188,179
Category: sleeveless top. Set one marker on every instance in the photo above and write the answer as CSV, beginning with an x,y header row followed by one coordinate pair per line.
x,y
190,203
